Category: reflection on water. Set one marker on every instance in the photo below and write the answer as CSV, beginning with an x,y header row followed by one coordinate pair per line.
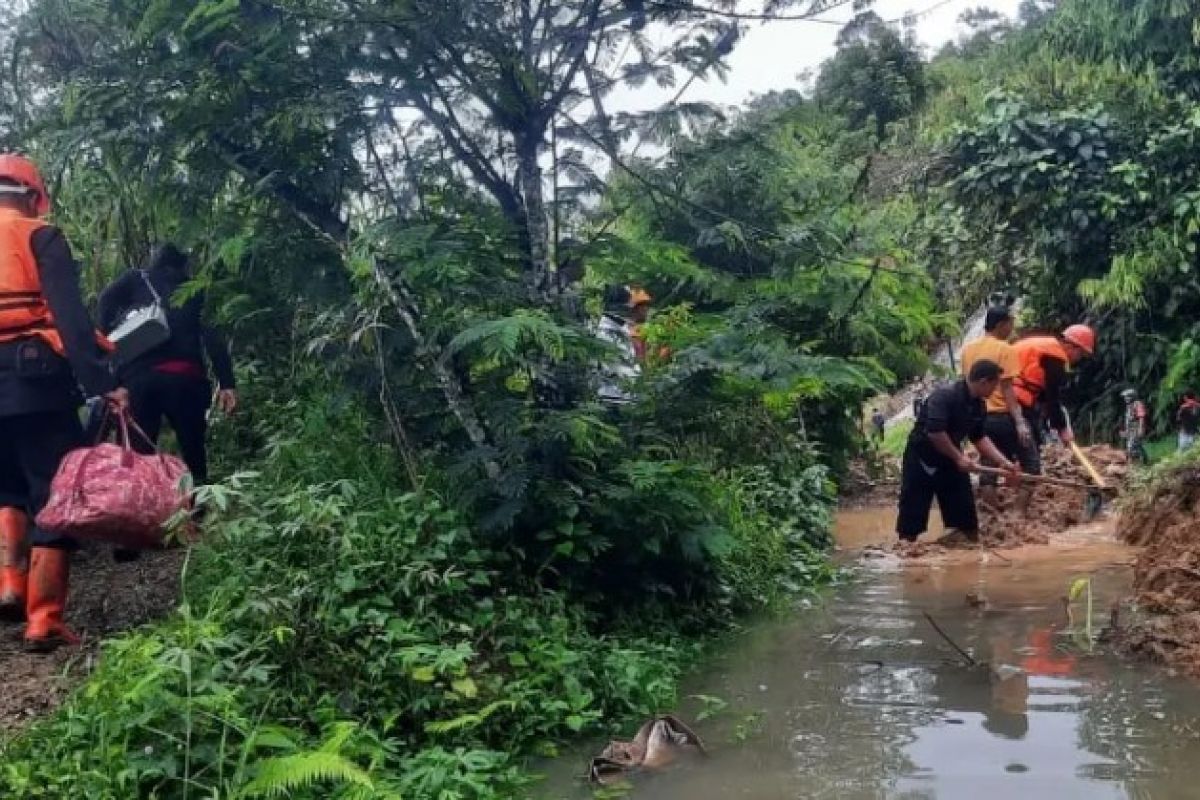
x,y
861,699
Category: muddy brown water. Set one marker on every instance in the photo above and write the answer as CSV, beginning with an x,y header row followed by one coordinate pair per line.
x,y
857,697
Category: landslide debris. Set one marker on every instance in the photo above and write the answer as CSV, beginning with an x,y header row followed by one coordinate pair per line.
x,y
1054,508
1163,516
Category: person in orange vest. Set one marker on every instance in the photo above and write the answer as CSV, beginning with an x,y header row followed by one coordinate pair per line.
x,y
1044,362
639,313
48,349
640,301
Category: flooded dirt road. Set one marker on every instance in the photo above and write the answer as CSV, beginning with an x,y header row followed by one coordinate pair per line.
x,y
861,698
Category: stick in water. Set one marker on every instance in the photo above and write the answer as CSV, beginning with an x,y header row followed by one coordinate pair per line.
x,y
971,662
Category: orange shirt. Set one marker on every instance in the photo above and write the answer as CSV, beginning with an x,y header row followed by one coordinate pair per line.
x,y
990,348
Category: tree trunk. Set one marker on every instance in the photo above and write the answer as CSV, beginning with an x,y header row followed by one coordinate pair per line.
x,y
536,224
403,303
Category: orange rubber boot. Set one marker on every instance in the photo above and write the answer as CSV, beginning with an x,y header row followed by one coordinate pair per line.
x,y
45,630
14,564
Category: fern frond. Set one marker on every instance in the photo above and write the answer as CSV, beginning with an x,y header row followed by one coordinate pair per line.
x,y
277,777
509,337
342,731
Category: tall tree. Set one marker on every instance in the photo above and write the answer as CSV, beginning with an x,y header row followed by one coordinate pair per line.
x,y
877,76
362,118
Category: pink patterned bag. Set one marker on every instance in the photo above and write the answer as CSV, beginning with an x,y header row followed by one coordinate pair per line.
x,y
110,493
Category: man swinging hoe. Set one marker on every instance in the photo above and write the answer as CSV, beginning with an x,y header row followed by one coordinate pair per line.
x,y
935,465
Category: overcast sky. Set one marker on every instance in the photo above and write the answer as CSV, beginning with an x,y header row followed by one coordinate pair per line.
x,y
773,55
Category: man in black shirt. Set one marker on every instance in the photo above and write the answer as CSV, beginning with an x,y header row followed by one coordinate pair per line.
x,y
934,463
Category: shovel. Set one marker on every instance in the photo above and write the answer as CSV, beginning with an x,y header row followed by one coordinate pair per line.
x,y
1095,497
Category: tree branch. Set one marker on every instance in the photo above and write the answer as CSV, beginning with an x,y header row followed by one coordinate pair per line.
x,y
669,6
336,232
464,148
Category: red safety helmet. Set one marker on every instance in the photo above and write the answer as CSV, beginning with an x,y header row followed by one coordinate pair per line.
x,y
22,171
1082,337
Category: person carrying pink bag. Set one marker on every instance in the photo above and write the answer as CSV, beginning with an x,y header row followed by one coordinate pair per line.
x,y
48,349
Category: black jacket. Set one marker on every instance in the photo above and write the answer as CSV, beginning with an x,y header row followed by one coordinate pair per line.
x,y
191,339
950,410
86,365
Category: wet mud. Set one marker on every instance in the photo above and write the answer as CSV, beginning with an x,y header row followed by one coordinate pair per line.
x,y
106,598
1164,620
870,482
1053,509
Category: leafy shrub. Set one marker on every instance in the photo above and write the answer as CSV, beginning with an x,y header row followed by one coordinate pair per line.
x,y
781,528
337,640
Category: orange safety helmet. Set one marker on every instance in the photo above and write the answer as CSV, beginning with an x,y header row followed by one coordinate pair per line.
x,y
638,297
22,171
1082,337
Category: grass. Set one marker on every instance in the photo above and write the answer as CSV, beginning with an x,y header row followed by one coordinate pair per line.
x,y
1163,448
895,438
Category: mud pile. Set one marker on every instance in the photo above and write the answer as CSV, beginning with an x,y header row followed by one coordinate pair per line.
x,y
1054,508
1164,517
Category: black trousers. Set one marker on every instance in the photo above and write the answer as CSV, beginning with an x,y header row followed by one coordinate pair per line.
x,y
183,401
1001,429
920,483
31,448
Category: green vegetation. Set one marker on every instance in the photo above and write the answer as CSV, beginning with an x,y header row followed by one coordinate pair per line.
x,y
1070,176
896,437
339,634
1161,478
438,554
1162,449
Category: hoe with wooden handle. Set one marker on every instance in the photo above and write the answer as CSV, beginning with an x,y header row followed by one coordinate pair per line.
x,y
1042,479
1095,500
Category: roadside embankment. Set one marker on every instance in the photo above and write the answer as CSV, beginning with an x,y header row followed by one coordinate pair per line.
x,y
1160,515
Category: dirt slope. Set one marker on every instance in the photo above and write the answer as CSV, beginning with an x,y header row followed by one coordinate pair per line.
x,y
1165,519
